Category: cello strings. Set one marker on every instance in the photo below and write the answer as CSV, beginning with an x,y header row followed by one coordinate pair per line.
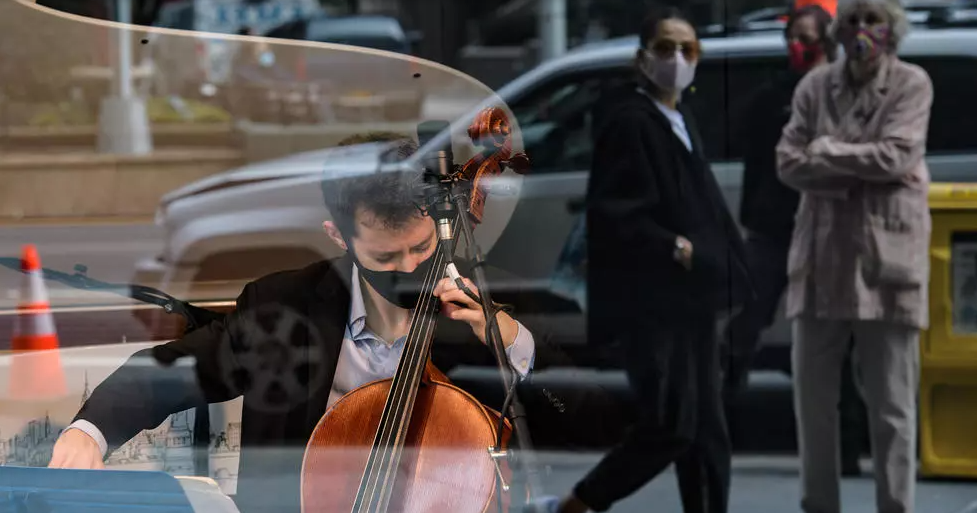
x,y
403,397
400,400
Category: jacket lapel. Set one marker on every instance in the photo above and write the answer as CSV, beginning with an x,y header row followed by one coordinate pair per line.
x,y
857,107
659,117
328,311
873,98
693,129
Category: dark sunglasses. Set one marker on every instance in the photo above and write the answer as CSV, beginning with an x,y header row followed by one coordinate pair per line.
x,y
665,48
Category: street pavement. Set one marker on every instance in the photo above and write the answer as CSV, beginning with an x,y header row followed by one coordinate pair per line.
x,y
761,484
110,251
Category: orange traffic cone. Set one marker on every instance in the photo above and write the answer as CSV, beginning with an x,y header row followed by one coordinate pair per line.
x,y
35,370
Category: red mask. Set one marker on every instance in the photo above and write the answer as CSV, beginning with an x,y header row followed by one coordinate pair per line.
x,y
803,56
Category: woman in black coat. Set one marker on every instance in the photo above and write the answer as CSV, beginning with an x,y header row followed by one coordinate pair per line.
x,y
665,263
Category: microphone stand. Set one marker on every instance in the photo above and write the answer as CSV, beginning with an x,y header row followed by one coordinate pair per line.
x,y
194,315
452,204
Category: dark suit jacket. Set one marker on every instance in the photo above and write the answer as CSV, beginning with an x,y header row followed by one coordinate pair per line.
x,y
311,305
767,206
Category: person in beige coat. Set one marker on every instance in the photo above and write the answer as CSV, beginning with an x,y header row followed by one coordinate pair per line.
x,y
858,263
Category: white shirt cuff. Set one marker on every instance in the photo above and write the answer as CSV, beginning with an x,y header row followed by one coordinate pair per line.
x,y
522,352
89,429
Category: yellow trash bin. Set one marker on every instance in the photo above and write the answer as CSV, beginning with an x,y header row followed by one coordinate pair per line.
x,y
948,380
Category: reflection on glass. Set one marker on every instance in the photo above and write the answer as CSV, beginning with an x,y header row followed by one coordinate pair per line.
x,y
963,260
224,113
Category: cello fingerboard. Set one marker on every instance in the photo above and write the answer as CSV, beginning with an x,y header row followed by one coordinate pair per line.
x,y
377,484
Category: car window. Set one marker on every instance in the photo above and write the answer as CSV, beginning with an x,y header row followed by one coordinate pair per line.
x,y
723,92
953,117
555,120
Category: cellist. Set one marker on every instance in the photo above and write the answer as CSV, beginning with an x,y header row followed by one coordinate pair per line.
x,y
354,326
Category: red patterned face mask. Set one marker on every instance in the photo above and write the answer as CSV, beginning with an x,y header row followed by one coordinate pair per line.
x,y
803,56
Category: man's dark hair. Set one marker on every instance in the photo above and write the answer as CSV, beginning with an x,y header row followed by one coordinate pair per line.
x,y
823,19
389,196
655,15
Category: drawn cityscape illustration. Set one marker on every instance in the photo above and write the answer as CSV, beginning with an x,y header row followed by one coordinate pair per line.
x,y
32,446
225,453
168,447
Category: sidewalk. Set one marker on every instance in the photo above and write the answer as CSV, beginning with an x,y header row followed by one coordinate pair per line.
x,y
761,484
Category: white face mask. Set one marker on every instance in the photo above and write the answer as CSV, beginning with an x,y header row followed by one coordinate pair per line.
x,y
672,74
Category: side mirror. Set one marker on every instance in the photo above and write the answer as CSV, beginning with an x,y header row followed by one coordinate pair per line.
x,y
414,38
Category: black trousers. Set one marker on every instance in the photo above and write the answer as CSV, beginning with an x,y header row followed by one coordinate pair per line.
x,y
673,369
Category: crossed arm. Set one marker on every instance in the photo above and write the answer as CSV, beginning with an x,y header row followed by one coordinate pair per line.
x,y
829,167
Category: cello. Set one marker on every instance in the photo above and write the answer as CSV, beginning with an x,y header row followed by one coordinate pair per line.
x,y
415,443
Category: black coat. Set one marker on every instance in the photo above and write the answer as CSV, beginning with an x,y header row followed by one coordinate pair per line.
x,y
645,190
137,397
768,206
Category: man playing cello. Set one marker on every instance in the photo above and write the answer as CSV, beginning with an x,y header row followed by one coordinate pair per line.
x,y
351,332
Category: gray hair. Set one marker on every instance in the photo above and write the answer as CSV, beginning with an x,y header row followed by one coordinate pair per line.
x,y
896,14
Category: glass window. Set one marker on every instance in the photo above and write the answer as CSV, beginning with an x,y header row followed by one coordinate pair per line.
x,y
555,120
964,282
953,118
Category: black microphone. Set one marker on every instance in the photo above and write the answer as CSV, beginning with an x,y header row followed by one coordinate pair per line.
x,y
438,164
439,168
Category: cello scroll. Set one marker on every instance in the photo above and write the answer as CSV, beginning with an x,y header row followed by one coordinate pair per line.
x,y
491,130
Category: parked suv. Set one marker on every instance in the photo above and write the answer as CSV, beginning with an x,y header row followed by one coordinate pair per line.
x,y
276,220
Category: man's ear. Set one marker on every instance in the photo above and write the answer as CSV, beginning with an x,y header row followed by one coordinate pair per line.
x,y
333,232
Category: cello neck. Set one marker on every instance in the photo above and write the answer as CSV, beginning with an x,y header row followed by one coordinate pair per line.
x,y
376,485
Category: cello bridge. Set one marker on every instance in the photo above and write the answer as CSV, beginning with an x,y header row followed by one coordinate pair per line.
x,y
496,456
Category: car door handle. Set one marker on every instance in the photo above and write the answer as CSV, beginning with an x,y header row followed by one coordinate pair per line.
x,y
576,205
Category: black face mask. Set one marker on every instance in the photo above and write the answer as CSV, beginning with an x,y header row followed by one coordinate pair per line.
x,y
400,288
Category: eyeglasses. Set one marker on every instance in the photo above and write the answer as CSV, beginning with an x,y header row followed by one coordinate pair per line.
x,y
869,19
666,48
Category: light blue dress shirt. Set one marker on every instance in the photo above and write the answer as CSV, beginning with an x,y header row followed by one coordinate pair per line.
x,y
365,357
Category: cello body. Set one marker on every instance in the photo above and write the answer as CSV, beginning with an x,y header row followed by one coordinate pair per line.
x,y
445,467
